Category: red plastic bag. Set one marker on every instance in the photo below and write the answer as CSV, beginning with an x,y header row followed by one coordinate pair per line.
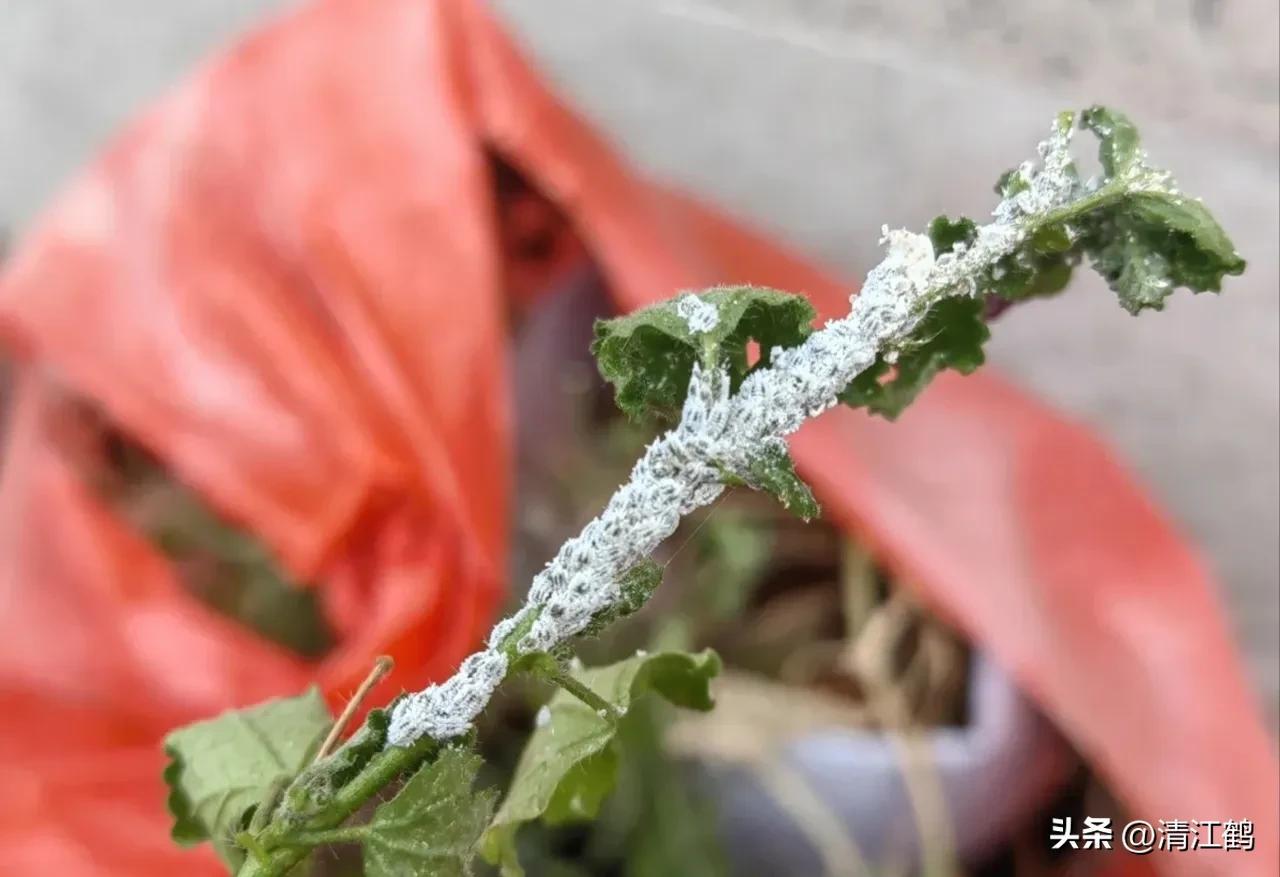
x,y
287,281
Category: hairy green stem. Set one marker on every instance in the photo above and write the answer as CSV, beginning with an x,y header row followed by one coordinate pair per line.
x,y
286,847
602,707
1104,196
347,834
289,847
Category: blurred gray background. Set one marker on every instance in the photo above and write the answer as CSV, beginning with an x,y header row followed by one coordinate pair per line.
x,y
820,120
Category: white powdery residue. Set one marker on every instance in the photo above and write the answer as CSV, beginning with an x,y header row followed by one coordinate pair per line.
x,y
543,718
1142,177
718,430
805,380
698,315
909,254
581,582
448,710
1052,185
507,626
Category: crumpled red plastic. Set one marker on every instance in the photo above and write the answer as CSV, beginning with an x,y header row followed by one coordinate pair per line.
x,y
287,280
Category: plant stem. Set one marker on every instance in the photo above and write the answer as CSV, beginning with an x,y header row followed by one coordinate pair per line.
x,y
1104,196
381,668
603,708
719,437
347,834
381,770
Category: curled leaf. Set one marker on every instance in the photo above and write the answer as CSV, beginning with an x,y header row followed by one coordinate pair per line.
x,y
648,355
1151,243
317,783
1151,238
1118,142
774,472
945,233
951,335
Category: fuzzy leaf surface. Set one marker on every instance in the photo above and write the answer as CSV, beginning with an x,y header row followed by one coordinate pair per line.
x,y
317,783
431,827
221,767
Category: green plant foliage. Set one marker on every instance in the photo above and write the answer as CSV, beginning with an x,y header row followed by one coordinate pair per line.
x,y
245,774
569,764
1150,241
945,233
431,827
951,335
773,471
648,355
670,828
219,769
316,785
1144,238
635,589
1118,142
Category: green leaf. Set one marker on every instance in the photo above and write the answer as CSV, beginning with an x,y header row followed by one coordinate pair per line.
x,y
1153,242
1141,234
648,355
222,767
1011,182
669,827
638,585
1031,272
951,335
953,330
584,788
569,764
1149,239
634,589
1051,239
945,233
773,471
431,827
1118,143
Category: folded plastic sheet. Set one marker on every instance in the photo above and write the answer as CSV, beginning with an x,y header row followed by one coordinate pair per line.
x,y
287,280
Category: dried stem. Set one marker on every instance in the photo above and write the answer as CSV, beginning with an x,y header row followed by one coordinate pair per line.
x,y
381,668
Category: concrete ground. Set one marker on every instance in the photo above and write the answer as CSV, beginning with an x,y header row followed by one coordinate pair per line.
x,y
822,119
